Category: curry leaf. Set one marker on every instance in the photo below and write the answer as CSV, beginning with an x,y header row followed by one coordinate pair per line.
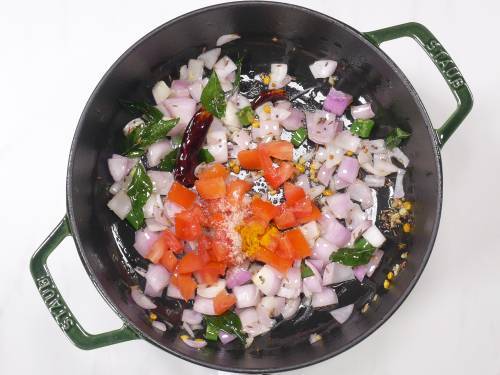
x,y
245,115
213,98
205,156
305,270
395,138
145,110
168,162
228,322
357,255
139,190
299,136
144,136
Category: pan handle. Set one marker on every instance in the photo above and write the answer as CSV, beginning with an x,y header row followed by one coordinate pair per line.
x,y
56,304
443,62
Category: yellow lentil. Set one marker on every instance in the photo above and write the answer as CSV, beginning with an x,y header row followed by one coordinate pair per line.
x,y
387,284
349,153
267,108
406,227
236,169
265,79
390,276
327,192
255,124
407,205
300,167
153,316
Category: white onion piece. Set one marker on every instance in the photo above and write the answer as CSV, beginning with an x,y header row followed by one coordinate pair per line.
x,y
355,217
210,291
246,295
323,68
374,236
400,156
291,307
154,226
293,121
119,166
398,187
383,166
263,115
120,204
348,169
363,111
336,102
161,91
342,314
321,126
160,326
317,263
336,273
191,317
302,181
141,299
278,73
242,140
216,132
291,284
316,191
266,131
174,292
230,118
364,156
323,249
333,155
312,283
162,181
131,125
157,151
184,108
219,152
195,69
183,72
210,57
310,231
340,204
157,279
188,329
333,231
279,114
195,90
268,280
248,317
116,187
144,239
224,67
196,344
240,101
369,268
273,306
336,183
347,141
148,208
325,174
360,192
374,181
226,38
360,229
204,305
325,297
180,88
375,146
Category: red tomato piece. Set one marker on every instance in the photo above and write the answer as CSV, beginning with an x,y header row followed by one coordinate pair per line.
x,y
223,302
264,209
249,159
191,262
214,170
282,150
314,215
181,195
169,261
271,258
186,226
285,248
293,193
236,190
285,220
211,188
299,243
185,284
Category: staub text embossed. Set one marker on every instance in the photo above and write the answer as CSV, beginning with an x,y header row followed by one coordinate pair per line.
x,y
443,60
54,302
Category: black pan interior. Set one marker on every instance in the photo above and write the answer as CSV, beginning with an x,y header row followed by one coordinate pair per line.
x,y
272,32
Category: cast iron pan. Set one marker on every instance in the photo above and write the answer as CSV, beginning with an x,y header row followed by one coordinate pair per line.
x,y
272,32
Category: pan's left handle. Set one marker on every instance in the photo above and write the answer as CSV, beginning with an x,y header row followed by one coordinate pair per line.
x,y
56,304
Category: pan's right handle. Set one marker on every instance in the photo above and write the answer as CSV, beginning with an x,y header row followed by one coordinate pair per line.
x,y
56,304
443,62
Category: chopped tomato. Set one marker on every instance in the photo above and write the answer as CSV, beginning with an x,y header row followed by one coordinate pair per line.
x,y
314,215
199,215
270,238
219,251
169,260
271,258
186,226
285,220
264,209
214,170
171,242
210,273
285,248
249,159
191,262
299,243
236,190
211,188
302,208
185,284
223,302
282,150
293,193
181,195
156,252
274,176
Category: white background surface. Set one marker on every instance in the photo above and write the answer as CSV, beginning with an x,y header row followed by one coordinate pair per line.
x,y
54,53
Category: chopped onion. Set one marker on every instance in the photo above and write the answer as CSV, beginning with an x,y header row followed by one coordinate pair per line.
x,y
336,102
162,181
262,113
325,174
374,181
246,295
204,305
317,263
119,166
294,121
355,217
267,130
323,68
148,208
196,343
210,291
183,72
398,187
195,90
160,326
337,183
348,169
224,67
195,70
237,276
120,204
321,127
144,239
223,39
312,283
157,151
363,111
219,152
268,280
141,299
180,88
230,118
333,231
184,108
174,292
279,114
160,91
157,279
400,156
248,317
333,155
278,73
291,284
340,204
226,338
347,141
291,307
314,337
273,306
323,249
360,192
131,125
342,314
336,273
116,187
374,236
310,231
383,165
210,57
316,191
170,209
325,297
191,317
302,181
